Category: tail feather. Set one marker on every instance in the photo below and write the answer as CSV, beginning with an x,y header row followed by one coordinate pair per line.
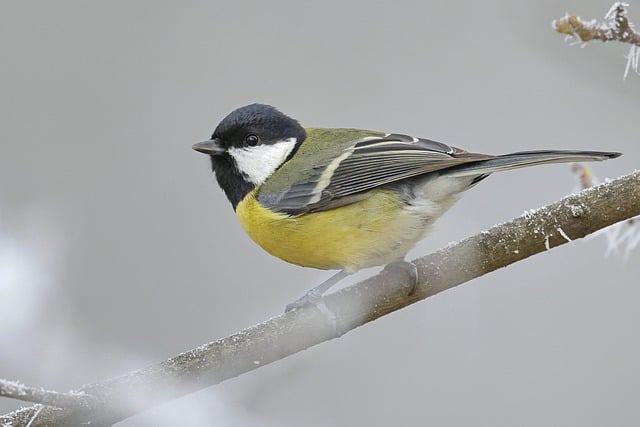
x,y
527,158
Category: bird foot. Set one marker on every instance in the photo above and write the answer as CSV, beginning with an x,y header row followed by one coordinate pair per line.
x,y
408,268
313,297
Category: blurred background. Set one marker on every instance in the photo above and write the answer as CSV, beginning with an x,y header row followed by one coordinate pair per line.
x,y
118,250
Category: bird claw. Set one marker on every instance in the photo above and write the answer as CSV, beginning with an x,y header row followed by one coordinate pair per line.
x,y
407,268
313,298
310,298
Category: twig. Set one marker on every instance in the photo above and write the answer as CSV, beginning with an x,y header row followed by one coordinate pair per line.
x,y
577,215
616,27
35,415
17,390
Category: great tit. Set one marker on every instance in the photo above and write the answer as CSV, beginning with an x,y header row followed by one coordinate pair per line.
x,y
345,199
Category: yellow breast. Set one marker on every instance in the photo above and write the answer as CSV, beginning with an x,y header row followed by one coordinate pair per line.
x,y
367,233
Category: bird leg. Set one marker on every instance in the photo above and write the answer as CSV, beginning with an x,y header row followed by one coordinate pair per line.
x,y
314,296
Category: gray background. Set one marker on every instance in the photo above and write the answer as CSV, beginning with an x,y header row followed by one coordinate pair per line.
x,y
118,250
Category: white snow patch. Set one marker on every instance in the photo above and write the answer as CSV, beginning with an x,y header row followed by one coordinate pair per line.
x,y
624,234
633,58
563,234
611,14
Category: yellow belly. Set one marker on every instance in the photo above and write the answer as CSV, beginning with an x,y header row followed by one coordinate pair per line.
x,y
367,233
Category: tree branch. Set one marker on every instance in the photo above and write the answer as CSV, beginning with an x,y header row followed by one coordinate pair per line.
x,y
571,218
616,28
17,390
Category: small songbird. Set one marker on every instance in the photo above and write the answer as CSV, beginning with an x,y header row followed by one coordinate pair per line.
x,y
345,199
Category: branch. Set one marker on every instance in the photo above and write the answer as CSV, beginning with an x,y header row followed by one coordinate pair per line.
x,y
623,234
571,218
616,28
17,390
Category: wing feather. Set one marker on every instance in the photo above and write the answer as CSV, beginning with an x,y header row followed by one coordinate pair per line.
x,y
362,165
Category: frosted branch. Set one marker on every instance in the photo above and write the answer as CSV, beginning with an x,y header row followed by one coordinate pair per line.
x,y
615,27
121,397
19,391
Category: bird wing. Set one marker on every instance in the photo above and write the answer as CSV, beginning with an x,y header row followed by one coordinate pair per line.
x,y
347,170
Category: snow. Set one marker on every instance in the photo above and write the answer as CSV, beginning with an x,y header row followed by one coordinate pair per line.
x,y
612,13
563,234
632,60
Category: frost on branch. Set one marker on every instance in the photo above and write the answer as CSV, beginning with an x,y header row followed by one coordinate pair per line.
x,y
624,235
615,27
17,390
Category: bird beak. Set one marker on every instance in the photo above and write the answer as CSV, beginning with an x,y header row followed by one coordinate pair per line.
x,y
212,147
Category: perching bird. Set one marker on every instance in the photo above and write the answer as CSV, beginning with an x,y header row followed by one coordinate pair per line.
x,y
345,199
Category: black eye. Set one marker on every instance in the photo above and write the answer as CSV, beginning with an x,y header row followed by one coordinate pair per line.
x,y
252,140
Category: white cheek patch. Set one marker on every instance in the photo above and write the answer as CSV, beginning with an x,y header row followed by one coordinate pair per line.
x,y
258,163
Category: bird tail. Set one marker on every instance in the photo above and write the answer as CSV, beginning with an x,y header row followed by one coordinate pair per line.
x,y
527,158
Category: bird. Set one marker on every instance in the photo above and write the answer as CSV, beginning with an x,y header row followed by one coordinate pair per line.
x,y
345,199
